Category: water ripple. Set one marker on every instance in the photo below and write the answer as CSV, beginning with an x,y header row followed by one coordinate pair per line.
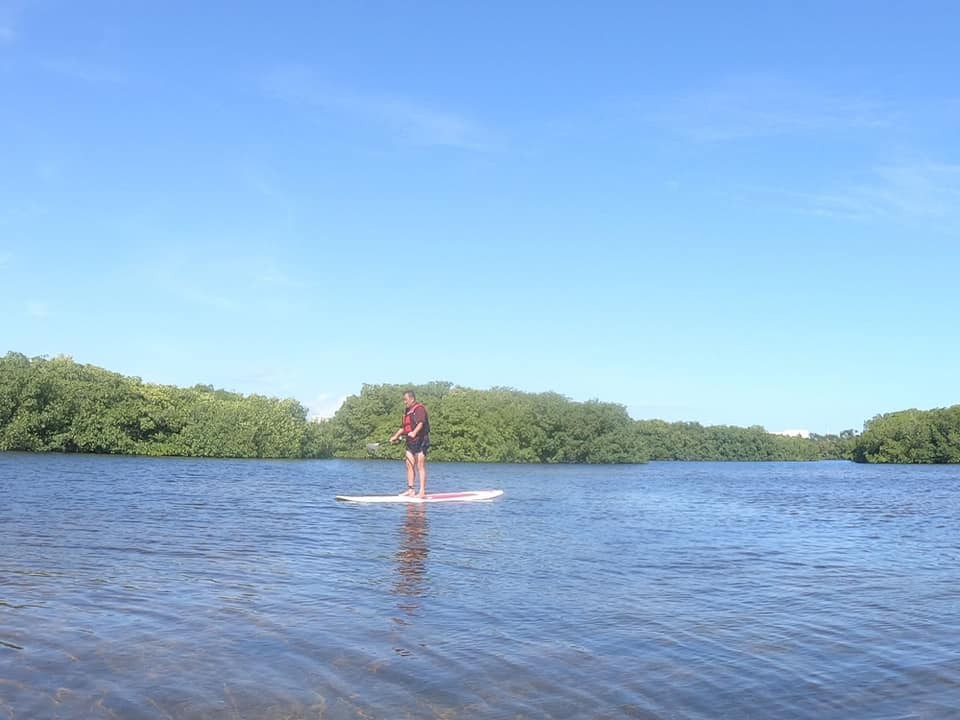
x,y
142,588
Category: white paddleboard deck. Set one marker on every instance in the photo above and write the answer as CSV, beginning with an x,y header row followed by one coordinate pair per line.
x,y
466,496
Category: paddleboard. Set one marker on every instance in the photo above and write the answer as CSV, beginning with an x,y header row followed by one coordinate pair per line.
x,y
467,496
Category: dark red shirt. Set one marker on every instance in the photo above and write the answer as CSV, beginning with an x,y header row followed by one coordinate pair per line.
x,y
414,416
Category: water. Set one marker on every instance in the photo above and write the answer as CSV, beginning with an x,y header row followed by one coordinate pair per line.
x,y
181,589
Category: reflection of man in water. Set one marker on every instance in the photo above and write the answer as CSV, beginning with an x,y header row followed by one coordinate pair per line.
x,y
412,559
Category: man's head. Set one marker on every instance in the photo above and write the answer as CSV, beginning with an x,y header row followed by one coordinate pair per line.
x,y
409,398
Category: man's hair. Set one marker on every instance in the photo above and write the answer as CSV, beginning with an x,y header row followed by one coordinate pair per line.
x,y
411,393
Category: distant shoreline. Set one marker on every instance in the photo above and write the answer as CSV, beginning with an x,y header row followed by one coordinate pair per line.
x,y
30,453
58,405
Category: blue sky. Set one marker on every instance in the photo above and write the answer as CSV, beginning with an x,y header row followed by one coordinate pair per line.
x,y
741,213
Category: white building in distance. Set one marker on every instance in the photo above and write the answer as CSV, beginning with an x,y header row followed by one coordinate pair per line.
x,y
805,434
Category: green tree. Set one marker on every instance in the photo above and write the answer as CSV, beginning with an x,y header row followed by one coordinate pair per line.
x,y
911,436
57,404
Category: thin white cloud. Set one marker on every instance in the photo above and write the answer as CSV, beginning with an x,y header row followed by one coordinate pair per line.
x,y
919,191
9,15
204,298
189,281
284,382
325,406
766,105
410,121
84,71
264,380
268,273
226,285
259,180
38,310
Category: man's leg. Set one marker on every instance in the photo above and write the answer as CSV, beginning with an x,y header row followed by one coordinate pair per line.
x,y
422,469
411,461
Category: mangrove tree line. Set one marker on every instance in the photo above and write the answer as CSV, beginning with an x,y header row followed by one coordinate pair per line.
x,y
911,436
60,405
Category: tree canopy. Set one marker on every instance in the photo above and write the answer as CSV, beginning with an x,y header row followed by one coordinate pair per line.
x,y
911,436
505,425
59,405
693,441
496,425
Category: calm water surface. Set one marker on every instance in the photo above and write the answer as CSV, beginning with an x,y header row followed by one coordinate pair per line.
x,y
174,589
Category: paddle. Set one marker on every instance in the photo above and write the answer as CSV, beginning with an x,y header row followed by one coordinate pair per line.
x,y
373,447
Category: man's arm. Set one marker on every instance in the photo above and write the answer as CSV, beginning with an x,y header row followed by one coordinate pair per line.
x,y
416,431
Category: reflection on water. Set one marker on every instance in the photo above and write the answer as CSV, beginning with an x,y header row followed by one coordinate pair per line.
x,y
152,589
411,557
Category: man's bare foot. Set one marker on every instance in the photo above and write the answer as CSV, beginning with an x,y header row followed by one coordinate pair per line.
x,y
407,493
422,494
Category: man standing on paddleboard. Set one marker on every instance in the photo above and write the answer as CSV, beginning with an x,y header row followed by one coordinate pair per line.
x,y
416,429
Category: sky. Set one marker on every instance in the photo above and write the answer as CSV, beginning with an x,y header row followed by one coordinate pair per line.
x,y
738,213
